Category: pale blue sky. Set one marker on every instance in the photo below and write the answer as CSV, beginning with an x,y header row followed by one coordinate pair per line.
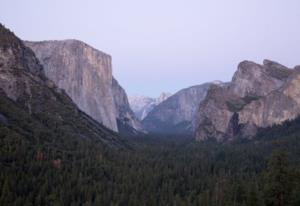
x,y
166,45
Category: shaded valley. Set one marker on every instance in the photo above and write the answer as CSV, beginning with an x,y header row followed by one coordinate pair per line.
x,y
69,137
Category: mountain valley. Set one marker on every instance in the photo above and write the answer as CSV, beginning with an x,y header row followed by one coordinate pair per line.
x,y
70,135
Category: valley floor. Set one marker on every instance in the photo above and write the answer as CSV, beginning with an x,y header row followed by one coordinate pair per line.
x,y
152,170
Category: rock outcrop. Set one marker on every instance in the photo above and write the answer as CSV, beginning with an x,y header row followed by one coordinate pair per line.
x,y
176,114
126,120
86,75
258,96
33,105
142,105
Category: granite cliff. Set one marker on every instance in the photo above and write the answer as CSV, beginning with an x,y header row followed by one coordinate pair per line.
x,y
126,120
142,105
86,75
176,114
258,96
33,107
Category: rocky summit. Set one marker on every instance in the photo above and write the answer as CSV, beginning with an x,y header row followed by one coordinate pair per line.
x,y
258,96
33,107
176,114
142,105
126,120
85,74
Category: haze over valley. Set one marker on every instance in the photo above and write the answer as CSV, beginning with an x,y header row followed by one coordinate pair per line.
x,y
162,103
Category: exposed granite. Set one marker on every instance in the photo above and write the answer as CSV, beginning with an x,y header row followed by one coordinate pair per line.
x,y
142,105
176,114
23,82
126,119
86,75
258,96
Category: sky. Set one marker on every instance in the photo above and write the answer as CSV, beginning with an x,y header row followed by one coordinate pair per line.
x,y
166,45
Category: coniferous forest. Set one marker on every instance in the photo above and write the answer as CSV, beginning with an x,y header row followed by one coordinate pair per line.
x,y
149,103
39,167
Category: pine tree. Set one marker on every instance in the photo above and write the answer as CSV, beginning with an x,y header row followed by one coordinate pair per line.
x,y
6,197
277,180
253,197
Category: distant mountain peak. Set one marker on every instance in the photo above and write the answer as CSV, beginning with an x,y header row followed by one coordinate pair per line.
x,y
218,82
33,104
162,97
175,115
259,95
142,105
85,73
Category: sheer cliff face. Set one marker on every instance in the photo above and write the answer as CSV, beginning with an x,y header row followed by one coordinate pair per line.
x,y
23,83
126,119
142,105
18,66
175,115
258,96
83,72
86,75
258,80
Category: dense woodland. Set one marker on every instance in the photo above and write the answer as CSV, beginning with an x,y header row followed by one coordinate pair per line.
x,y
39,167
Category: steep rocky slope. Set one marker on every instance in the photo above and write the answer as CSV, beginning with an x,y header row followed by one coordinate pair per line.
x,y
33,107
258,96
126,120
175,115
142,105
86,75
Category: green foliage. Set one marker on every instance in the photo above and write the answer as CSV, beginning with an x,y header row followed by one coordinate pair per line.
x,y
236,105
44,164
278,180
249,98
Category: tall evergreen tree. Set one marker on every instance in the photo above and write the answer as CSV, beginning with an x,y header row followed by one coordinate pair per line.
x,y
277,180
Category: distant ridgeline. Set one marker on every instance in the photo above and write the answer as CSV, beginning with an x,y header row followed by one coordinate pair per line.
x,y
85,74
258,96
52,153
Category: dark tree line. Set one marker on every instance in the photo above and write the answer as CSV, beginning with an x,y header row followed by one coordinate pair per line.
x,y
38,169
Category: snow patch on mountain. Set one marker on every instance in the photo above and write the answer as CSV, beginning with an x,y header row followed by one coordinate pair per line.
x,y
142,105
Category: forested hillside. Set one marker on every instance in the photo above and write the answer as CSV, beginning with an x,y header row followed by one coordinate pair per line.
x,y
51,169
51,153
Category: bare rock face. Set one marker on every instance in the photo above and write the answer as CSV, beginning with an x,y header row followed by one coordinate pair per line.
x,y
175,115
278,106
86,75
258,80
126,119
83,72
142,105
24,84
258,96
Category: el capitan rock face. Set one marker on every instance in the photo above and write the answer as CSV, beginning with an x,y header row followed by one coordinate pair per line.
x,y
258,96
44,109
86,75
175,115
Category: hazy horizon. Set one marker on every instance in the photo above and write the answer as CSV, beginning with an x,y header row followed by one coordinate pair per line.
x,y
166,46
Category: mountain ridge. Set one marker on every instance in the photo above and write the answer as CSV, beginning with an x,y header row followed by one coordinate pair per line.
x,y
175,115
85,73
44,105
258,96
142,105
